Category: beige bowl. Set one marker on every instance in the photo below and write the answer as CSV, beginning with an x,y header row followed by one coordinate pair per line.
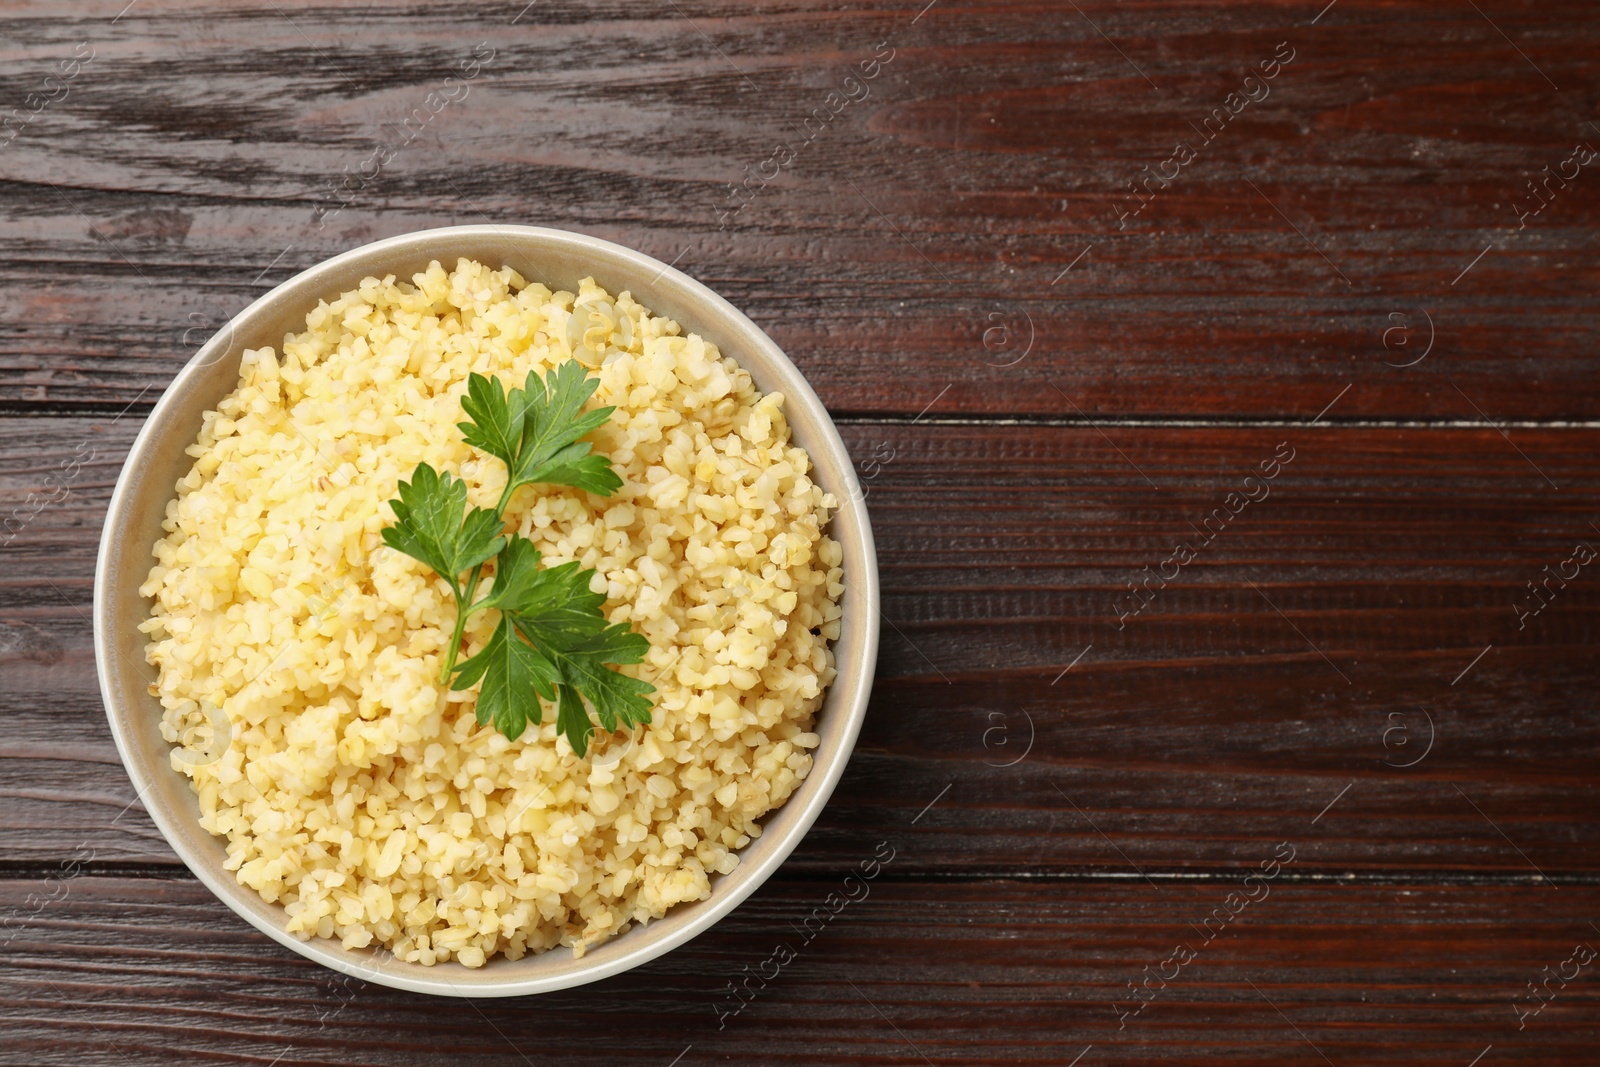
x,y
558,259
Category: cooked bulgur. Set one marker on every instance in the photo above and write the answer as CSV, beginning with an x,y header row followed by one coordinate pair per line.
x,y
355,788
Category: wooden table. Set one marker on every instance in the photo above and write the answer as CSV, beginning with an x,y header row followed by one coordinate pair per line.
x,y
1083,283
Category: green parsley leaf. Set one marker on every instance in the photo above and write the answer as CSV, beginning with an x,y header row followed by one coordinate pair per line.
x,y
581,659
572,719
516,572
515,675
552,641
574,466
557,608
496,419
534,430
432,524
568,644
617,698
552,424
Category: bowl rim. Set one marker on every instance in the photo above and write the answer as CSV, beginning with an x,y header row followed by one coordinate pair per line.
x,y
845,703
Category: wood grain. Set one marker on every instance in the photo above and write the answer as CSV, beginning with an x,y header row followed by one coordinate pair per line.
x,y
919,239
1044,396
1316,643
128,971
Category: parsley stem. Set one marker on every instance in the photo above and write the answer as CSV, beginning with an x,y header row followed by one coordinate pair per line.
x,y
464,600
505,497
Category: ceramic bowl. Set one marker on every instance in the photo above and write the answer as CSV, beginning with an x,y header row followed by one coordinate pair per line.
x,y
559,259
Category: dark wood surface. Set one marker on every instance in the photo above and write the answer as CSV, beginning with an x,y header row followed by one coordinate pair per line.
x,y
1399,973
1071,788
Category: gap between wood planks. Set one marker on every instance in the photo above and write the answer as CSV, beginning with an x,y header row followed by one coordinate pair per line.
x,y
25,871
20,409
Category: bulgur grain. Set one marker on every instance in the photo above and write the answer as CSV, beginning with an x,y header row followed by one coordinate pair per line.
x,y
358,791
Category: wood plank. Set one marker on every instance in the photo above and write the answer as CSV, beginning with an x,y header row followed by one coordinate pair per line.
x,y
1315,644
921,236
124,972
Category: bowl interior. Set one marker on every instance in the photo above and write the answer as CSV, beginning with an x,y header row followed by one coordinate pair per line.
x,y
558,259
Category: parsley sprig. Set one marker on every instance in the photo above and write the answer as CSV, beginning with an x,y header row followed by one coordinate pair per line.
x,y
552,641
